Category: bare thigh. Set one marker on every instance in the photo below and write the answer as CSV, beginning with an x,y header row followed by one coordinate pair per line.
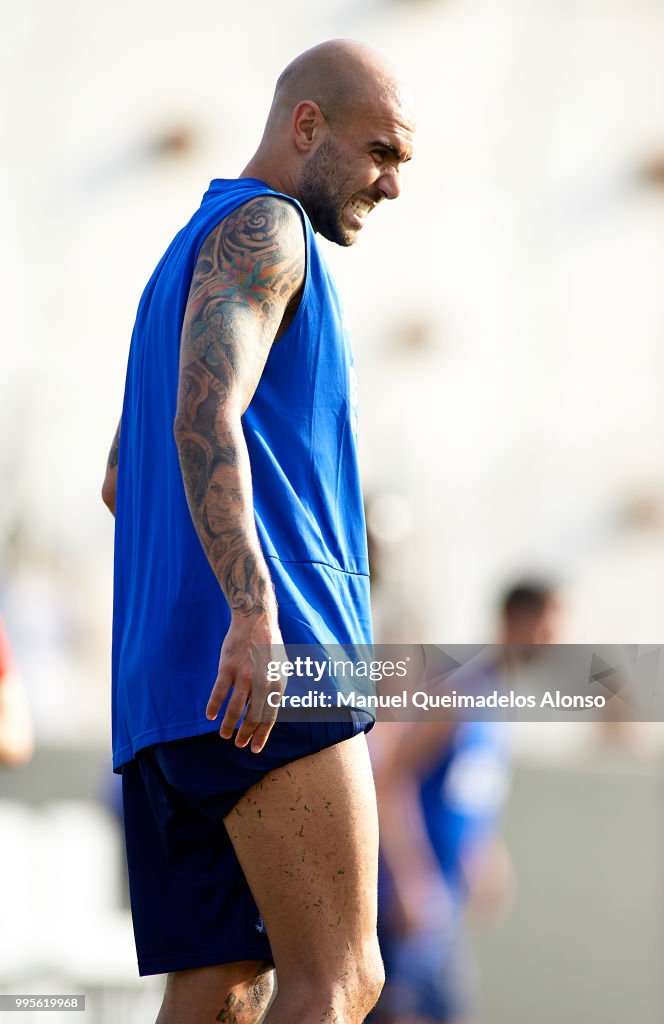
x,y
306,837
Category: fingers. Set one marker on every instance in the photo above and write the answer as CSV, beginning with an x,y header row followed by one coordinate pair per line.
x,y
235,708
259,715
265,706
251,709
260,736
217,697
254,729
246,730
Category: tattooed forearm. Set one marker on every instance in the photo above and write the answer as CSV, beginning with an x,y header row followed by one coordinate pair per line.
x,y
218,487
249,268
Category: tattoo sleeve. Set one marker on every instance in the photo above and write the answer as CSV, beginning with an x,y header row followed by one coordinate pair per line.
x,y
247,271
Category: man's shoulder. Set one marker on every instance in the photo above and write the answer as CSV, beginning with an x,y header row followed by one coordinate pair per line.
x,y
265,221
259,244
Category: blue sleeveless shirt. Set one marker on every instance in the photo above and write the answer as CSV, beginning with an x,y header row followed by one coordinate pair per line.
x,y
462,797
170,615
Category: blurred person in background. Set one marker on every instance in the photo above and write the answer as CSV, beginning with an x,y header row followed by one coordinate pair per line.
x,y
441,788
239,523
16,731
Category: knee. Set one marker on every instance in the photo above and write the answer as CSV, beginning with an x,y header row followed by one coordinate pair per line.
x,y
358,991
371,978
347,991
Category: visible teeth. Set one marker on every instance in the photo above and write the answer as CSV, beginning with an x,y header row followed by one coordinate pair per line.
x,y
360,206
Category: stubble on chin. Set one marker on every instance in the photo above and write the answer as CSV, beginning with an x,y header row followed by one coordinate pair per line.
x,y
322,194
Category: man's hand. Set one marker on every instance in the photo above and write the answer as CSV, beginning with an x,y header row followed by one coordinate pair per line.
x,y
245,652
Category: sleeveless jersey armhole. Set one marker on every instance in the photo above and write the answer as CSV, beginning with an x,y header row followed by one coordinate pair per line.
x,y
304,297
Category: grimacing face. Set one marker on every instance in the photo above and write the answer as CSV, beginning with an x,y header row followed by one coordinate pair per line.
x,y
352,170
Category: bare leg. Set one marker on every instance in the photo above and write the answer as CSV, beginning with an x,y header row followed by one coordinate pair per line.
x,y
306,837
235,993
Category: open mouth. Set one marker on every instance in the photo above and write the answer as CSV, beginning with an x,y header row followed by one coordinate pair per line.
x,y
359,209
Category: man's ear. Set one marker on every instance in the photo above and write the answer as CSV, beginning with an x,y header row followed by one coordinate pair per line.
x,y
308,123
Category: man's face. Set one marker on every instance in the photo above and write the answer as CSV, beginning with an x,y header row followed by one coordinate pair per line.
x,y
354,168
223,500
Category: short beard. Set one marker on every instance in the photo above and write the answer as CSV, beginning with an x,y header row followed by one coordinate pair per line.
x,y
323,193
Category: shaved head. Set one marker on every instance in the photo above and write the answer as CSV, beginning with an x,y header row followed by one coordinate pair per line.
x,y
339,129
337,75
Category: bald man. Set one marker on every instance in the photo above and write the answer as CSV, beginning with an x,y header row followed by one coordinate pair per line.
x,y
251,844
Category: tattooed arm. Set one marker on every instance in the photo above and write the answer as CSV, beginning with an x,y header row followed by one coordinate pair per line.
x,y
111,478
249,271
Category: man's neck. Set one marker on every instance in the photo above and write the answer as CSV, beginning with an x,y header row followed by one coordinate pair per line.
x,y
269,171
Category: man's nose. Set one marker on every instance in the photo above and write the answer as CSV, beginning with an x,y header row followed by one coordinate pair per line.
x,y
389,183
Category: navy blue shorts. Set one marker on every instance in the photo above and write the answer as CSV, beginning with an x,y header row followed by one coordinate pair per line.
x,y
191,905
